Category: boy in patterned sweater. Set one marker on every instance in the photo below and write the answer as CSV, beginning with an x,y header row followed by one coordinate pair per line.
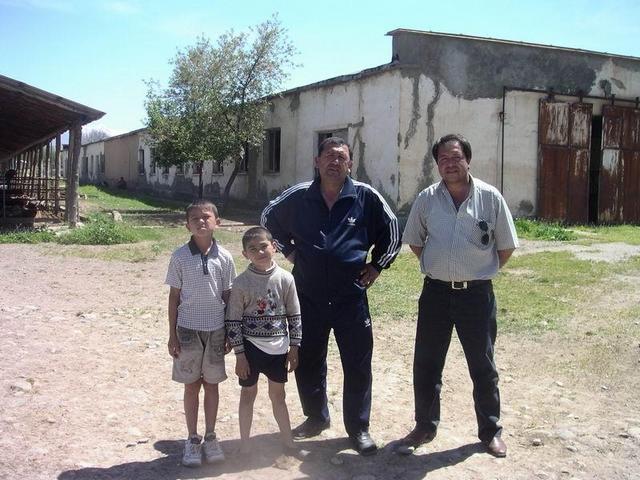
x,y
264,328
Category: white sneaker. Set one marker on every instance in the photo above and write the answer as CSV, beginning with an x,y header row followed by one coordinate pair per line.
x,y
212,451
192,455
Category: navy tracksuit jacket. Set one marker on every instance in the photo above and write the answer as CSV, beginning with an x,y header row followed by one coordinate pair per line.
x,y
331,248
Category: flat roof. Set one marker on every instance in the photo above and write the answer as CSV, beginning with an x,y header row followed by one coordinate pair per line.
x,y
507,42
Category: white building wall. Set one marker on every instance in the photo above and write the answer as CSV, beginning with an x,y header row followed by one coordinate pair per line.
x,y
368,108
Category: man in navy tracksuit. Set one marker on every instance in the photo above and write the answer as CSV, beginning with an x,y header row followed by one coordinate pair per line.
x,y
326,228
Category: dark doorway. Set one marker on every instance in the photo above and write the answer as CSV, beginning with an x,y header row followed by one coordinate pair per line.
x,y
595,166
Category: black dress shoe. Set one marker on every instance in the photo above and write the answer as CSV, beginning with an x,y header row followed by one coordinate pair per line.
x,y
364,444
309,428
418,436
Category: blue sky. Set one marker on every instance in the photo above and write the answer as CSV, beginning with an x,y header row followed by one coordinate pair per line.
x,y
98,52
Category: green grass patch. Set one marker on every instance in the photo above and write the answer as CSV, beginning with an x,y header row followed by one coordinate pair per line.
x,y
539,291
536,230
26,236
100,230
609,233
106,199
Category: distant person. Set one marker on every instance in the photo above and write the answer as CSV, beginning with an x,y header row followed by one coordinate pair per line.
x,y
263,327
462,232
121,184
327,228
200,276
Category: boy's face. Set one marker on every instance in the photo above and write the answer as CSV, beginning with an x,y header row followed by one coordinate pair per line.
x,y
260,252
201,222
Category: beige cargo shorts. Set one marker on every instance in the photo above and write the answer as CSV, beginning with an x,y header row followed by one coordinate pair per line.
x,y
201,356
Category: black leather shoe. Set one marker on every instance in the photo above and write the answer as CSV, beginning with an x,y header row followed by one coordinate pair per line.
x,y
309,428
364,444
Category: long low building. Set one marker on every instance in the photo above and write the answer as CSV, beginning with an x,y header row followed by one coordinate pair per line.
x,y
557,130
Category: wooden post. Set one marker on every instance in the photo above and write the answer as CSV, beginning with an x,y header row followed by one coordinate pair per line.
x,y
32,172
75,139
56,182
39,175
46,174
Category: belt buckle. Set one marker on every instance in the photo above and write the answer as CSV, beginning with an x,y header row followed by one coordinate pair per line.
x,y
463,287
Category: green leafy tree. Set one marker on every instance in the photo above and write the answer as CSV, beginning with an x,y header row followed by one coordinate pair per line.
x,y
213,107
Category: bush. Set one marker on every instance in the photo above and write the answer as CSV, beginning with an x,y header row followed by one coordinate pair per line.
x,y
536,230
99,230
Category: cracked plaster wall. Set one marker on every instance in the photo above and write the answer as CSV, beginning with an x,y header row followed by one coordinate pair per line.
x,y
367,108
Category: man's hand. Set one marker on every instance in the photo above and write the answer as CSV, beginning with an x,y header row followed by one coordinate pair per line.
x,y
292,358
227,345
173,345
368,275
242,366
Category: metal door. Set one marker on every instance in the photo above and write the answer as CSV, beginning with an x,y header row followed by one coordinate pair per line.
x,y
564,137
619,195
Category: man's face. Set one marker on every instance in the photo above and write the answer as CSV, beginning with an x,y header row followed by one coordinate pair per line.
x,y
201,222
334,163
452,163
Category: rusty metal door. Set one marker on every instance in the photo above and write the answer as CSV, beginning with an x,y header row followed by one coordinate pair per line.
x,y
619,195
564,140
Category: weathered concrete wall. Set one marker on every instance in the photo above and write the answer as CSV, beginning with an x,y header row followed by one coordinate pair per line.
x,y
479,68
92,152
456,85
368,108
185,184
121,159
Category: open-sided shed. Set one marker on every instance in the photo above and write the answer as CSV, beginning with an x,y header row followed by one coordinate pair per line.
x,y
30,119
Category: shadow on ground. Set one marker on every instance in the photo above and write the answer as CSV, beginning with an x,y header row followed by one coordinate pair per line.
x,y
332,458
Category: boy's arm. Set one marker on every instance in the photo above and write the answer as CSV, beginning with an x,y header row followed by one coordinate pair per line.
x,y
174,301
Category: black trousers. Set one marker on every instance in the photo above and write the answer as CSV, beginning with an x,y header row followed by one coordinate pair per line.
x,y
351,326
473,313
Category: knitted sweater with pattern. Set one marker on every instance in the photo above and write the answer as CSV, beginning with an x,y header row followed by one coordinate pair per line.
x,y
264,310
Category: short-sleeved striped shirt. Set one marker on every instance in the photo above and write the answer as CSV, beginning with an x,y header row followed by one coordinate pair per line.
x,y
201,279
461,244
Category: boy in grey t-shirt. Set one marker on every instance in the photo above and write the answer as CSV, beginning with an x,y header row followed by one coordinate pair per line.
x,y
200,275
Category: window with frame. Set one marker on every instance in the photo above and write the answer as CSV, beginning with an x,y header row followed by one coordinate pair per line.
x,y
217,167
271,151
102,163
141,161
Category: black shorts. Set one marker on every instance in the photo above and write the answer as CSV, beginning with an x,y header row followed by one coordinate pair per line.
x,y
273,366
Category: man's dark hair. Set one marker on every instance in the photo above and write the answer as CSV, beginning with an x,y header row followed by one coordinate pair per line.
x,y
255,232
452,137
337,141
202,203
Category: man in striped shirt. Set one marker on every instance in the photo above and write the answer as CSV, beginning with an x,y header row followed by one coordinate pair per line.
x,y
462,232
326,228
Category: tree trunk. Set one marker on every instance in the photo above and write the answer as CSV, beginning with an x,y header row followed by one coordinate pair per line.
x,y
226,199
200,183
72,189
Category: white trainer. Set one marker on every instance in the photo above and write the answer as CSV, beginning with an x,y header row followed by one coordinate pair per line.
x,y
192,455
211,448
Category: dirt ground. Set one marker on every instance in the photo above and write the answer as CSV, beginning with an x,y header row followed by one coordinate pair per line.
x,y
86,390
